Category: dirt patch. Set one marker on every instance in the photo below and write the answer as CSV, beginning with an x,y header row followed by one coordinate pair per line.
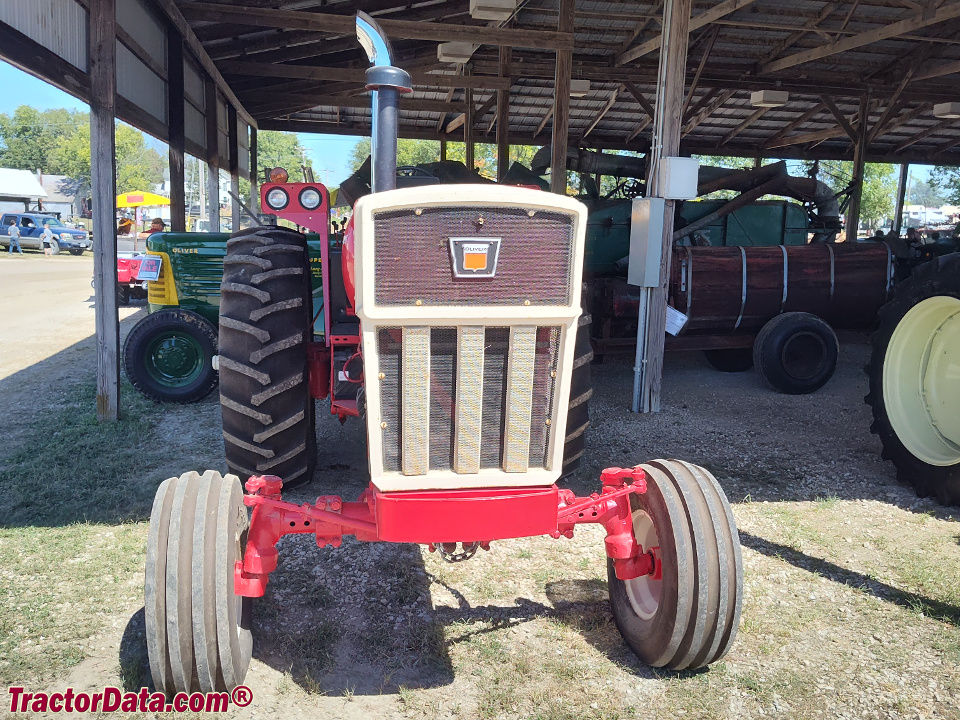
x,y
852,604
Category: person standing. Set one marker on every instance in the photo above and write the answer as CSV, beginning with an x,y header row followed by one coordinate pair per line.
x,y
46,239
14,232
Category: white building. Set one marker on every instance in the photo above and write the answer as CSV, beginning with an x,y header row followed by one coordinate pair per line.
x,y
19,190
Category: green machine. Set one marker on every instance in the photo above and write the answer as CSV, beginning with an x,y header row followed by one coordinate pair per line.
x,y
170,355
763,223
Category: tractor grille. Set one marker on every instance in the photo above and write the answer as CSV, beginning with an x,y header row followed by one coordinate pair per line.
x,y
413,265
466,398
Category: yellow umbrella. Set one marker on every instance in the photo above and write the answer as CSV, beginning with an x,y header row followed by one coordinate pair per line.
x,y
141,199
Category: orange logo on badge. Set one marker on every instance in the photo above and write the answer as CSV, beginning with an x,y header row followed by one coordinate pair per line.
x,y
475,257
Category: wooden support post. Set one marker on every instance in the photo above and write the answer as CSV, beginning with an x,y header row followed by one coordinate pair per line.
x,y
254,172
648,371
561,103
468,131
901,196
503,117
103,89
233,148
213,158
178,201
859,154
443,151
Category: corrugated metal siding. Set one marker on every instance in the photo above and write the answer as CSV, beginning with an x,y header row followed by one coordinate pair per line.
x,y
58,25
194,126
140,85
143,27
193,88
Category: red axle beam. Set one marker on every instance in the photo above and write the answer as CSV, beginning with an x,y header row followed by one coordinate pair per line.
x,y
448,516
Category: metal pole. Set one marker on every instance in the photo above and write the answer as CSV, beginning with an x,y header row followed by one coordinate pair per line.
x,y
901,195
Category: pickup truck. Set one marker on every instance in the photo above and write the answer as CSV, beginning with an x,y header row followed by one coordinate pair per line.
x,y
31,227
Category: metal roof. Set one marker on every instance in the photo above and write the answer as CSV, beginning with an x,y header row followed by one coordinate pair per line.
x,y
20,184
894,59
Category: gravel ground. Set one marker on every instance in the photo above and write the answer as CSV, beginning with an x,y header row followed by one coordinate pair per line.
x,y
851,595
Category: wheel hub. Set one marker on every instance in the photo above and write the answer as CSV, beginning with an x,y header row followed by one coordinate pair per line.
x,y
803,355
921,380
174,359
644,592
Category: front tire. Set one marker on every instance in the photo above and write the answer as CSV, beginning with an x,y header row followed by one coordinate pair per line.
x,y
197,627
54,247
914,388
265,326
689,618
578,408
168,356
796,353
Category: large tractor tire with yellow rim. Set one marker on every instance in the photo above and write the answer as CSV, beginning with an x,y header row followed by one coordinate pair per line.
x,y
915,380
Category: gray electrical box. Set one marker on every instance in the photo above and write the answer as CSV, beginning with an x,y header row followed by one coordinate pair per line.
x,y
646,241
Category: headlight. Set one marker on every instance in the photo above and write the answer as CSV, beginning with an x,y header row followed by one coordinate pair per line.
x,y
277,199
310,198
66,236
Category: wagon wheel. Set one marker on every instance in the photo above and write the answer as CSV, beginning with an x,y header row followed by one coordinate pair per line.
x,y
689,618
914,391
796,353
198,629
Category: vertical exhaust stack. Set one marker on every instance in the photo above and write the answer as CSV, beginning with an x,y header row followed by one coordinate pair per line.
x,y
386,82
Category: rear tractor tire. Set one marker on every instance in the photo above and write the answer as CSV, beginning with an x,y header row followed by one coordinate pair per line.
x,y
796,353
689,618
914,385
197,627
581,390
265,325
168,356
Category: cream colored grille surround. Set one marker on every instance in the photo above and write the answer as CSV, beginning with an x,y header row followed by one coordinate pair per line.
x,y
444,381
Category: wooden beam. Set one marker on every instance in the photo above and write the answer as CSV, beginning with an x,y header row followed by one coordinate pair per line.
x,y
103,190
233,149
181,26
950,68
611,101
212,156
933,130
799,122
561,102
906,117
503,117
254,200
358,75
804,138
543,123
175,133
901,195
840,118
948,145
638,129
638,96
704,18
754,116
479,112
924,19
859,159
708,48
308,100
408,29
468,132
707,111
651,328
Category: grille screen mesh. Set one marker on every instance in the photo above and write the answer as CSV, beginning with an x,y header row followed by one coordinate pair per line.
x,y
412,257
443,394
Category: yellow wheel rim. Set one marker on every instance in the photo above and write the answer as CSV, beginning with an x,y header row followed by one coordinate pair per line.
x,y
921,380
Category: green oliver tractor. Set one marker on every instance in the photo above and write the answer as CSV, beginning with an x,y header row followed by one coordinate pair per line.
x,y
171,354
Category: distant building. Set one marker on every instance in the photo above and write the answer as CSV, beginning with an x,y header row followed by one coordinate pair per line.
x,y
20,190
61,197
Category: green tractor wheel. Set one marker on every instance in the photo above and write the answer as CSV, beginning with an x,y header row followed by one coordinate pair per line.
x,y
914,383
168,356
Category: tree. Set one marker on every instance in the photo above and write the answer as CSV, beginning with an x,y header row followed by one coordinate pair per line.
x,y
138,166
946,181
29,137
282,149
418,152
877,200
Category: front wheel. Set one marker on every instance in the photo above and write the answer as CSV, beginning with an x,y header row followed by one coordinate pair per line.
x,y
54,247
914,384
796,353
197,627
168,356
689,617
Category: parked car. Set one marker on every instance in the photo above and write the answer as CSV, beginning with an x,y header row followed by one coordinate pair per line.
x,y
31,227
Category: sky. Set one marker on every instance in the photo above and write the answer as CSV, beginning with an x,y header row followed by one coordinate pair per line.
x,y
330,153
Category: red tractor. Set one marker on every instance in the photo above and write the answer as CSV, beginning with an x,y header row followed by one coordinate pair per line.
x,y
450,327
